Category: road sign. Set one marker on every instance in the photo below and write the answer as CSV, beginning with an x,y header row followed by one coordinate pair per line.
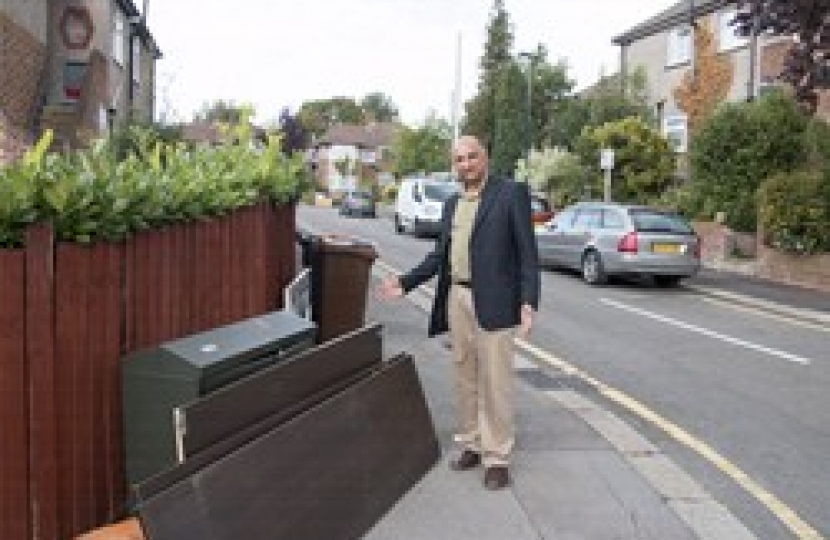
x,y
606,159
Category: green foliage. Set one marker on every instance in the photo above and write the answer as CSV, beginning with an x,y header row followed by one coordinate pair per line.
x,y
480,118
424,149
92,195
557,173
600,104
794,211
737,148
316,117
378,107
643,162
508,144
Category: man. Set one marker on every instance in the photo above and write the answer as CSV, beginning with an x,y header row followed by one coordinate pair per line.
x,y
488,288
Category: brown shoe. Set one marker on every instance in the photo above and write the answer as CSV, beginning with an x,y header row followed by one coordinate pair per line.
x,y
465,461
496,477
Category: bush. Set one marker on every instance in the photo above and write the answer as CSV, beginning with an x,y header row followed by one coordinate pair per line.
x,y
643,161
92,195
794,211
736,149
389,192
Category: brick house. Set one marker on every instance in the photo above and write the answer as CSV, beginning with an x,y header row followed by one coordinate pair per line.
x,y
365,149
78,67
663,46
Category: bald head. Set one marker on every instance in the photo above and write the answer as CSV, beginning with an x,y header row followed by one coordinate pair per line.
x,y
470,160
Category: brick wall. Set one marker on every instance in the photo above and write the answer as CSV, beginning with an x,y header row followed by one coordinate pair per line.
x,y
22,59
812,271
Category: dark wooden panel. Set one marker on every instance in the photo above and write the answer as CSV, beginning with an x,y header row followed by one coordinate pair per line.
x,y
282,389
15,519
328,474
40,352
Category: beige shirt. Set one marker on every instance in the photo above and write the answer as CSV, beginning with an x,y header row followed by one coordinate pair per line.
x,y
462,230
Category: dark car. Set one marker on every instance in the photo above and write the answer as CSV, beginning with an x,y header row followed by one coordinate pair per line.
x,y
540,210
358,203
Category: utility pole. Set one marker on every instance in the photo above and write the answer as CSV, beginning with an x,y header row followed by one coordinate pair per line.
x,y
456,94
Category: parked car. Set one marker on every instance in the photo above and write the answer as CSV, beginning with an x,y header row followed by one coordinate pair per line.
x,y
609,239
420,203
540,210
358,203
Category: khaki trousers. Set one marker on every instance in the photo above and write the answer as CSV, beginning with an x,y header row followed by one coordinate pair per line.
x,y
483,370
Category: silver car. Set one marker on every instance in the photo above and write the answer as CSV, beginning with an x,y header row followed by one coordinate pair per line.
x,y
608,239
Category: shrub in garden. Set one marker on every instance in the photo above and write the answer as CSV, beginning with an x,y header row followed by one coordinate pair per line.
x,y
794,211
736,149
643,161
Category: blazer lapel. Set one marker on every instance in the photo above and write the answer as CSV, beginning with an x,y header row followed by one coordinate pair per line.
x,y
488,197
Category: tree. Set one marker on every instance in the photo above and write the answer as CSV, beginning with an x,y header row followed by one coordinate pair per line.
x,y
480,115
611,99
318,116
378,107
643,161
807,66
556,172
708,84
294,137
424,149
550,89
227,112
508,145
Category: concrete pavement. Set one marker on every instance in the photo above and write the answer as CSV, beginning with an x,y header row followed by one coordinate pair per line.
x,y
579,471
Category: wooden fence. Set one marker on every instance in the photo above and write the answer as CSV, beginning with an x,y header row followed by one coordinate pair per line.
x,y
68,313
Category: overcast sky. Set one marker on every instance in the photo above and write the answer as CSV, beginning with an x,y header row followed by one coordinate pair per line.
x,y
280,53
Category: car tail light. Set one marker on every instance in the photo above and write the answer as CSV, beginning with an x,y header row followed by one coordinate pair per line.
x,y
698,247
628,243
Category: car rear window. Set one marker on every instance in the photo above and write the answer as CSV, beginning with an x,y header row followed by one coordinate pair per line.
x,y
659,222
439,191
362,195
539,205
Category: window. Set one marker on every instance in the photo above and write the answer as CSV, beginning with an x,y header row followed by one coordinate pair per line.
x,y
136,60
611,219
118,39
679,46
727,36
675,132
588,218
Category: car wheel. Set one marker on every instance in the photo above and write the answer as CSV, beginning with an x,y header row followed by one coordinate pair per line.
x,y
666,282
398,225
592,270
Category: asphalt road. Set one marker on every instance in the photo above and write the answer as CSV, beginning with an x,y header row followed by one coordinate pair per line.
x,y
751,386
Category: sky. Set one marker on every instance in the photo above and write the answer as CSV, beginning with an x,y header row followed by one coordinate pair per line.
x,y
281,53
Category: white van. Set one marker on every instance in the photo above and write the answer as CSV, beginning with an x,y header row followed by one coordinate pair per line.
x,y
420,203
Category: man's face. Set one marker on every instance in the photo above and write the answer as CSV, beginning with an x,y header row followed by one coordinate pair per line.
x,y
470,161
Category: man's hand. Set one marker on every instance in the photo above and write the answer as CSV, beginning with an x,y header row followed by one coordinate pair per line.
x,y
390,288
526,321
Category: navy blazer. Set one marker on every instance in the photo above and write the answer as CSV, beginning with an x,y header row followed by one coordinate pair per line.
x,y
504,259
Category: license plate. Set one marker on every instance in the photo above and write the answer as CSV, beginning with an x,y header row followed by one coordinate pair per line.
x,y
666,248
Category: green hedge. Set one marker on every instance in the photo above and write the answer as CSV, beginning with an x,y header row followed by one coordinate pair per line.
x,y
92,195
737,148
794,211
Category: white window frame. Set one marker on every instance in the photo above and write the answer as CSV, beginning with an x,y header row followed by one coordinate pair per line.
x,y
728,39
679,45
676,124
119,29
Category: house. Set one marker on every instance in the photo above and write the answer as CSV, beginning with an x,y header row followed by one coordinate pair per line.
x,y
78,67
349,153
663,45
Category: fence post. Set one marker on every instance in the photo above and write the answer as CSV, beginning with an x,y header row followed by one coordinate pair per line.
x,y
40,354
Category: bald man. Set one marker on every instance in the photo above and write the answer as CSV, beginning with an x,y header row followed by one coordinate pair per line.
x,y
488,290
